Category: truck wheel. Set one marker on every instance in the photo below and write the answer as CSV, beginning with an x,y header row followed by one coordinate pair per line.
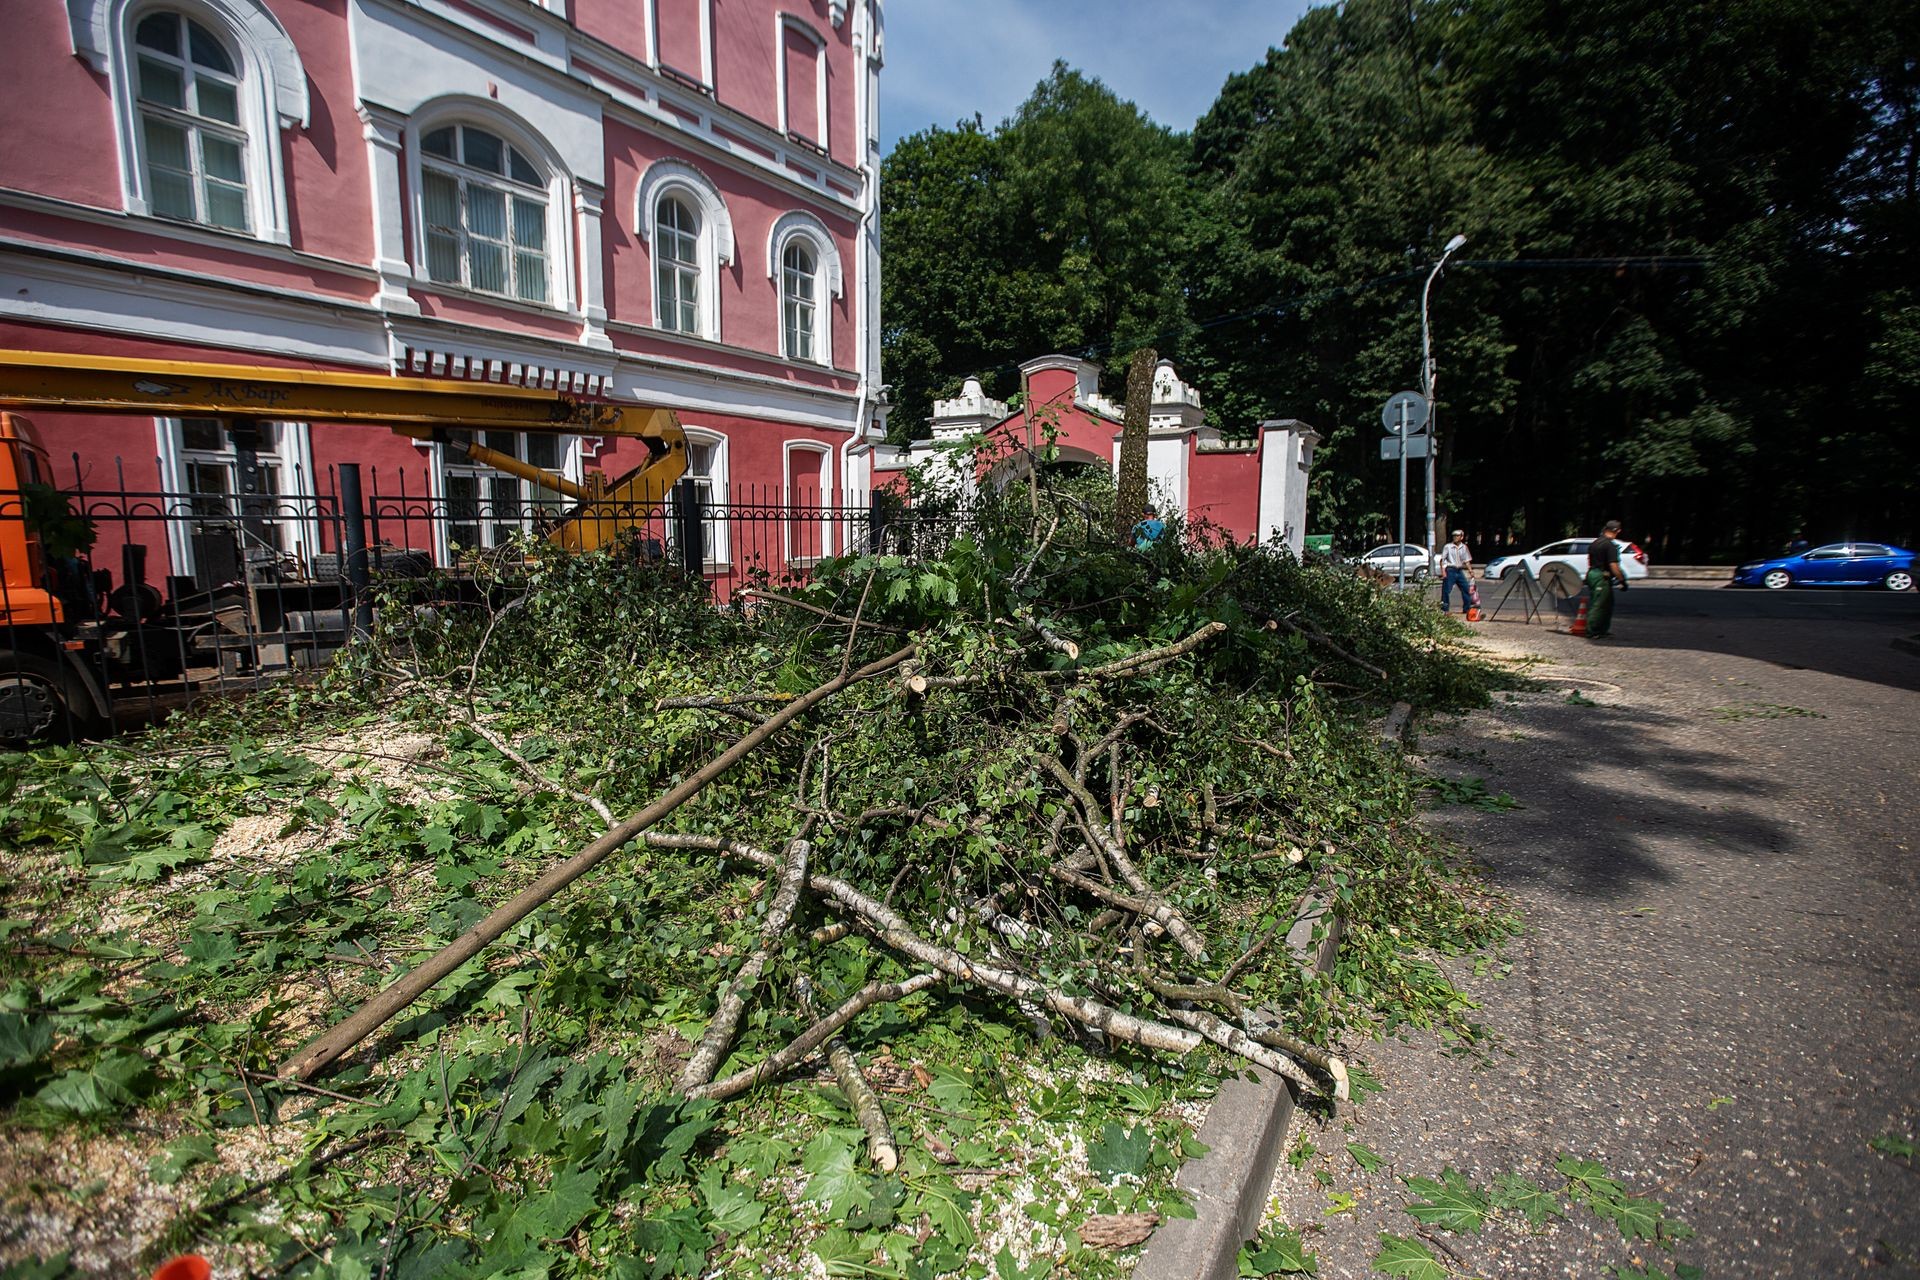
x,y
37,702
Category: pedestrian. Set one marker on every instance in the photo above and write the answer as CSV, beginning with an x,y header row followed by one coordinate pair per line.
x,y
1458,561
1148,531
1603,575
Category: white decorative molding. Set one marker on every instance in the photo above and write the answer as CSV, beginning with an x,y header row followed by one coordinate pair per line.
x,y
273,95
970,412
665,175
799,223
96,27
784,23
457,108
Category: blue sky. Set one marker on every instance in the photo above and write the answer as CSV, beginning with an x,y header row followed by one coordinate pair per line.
x,y
947,59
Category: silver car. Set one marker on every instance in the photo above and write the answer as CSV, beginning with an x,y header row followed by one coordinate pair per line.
x,y
1391,557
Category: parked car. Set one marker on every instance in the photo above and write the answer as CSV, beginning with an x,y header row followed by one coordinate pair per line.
x,y
1571,552
1838,564
1389,558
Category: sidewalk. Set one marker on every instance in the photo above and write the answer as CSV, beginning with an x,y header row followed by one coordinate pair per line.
x,y
1715,995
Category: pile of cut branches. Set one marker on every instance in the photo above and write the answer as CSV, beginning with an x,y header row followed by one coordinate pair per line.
x,y
1040,779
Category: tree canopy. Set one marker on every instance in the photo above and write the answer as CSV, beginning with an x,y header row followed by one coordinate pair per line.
x,y
1689,298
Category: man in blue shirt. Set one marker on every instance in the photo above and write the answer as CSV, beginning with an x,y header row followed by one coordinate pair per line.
x,y
1148,531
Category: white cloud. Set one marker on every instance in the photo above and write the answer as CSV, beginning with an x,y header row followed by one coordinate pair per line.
x,y
948,59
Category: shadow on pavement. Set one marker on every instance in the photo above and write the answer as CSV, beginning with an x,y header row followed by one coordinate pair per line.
x,y
1638,798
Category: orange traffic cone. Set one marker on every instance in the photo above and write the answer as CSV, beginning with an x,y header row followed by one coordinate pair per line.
x,y
1579,627
188,1266
1473,613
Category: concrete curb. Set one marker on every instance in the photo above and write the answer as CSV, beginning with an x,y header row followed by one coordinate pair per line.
x,y
1246,1127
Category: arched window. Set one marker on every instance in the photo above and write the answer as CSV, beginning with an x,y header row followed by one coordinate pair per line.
x,y
676,256
484,207
195,147
202,90
804,266
798,308
689,235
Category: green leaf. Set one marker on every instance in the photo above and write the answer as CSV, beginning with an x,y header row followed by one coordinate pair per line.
x,y
1887,1144
171,1164
23,1039
1364,1156
836,1182
546,1216
1403,1256
437,840
53,1268
110,1084
211,952
1452,1203
505,994
1587,1181
733,1207
1277,1251
1523,1196
1637,1217
1121,1151
677,1242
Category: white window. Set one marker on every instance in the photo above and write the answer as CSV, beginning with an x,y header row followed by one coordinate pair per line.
x,y
246,494
188,88
486,507
484,213
677,265
689,235
202,91
707,469
798,307
804,265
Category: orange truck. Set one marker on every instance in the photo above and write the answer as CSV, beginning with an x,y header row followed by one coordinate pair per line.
x,y
58,669
47,685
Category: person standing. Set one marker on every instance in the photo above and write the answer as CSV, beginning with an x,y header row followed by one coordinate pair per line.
x,y
1457,560
1603,574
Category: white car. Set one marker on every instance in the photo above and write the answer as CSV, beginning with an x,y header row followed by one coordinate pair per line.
x,y
1389,558
1571,552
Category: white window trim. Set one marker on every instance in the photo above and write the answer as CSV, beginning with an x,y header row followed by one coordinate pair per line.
x,y
789,452
295,455
678,178
784,23
483,114
828,278
651,11
572,466
719,548
273,95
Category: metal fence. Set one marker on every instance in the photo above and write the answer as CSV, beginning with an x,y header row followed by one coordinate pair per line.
x,y
118,607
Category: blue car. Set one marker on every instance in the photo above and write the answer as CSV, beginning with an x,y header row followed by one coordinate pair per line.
x,y
1838,564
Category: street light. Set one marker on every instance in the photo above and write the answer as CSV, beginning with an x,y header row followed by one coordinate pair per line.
x,y
1426,388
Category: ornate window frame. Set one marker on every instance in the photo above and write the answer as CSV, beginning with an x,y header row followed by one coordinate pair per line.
x,y
789,22
492,118
273,95
679,179
828,278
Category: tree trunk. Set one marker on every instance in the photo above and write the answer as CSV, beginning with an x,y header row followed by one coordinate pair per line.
x,y
1131,500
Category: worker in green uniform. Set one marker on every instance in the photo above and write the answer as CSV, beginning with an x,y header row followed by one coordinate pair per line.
x,y
1603,573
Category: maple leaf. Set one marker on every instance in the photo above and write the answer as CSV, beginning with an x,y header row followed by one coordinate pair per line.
x,y
1401,1256
1453,1203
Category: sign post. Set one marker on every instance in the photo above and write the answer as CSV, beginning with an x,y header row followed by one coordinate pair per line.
x,y
1404,413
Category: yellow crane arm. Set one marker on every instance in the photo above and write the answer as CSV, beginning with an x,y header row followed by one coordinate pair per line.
x,y
421,408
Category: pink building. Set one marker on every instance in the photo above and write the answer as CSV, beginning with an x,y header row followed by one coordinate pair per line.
x,y
1250,489
665,201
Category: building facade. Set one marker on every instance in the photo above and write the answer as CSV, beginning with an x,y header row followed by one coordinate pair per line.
x,y
672,202
1252,488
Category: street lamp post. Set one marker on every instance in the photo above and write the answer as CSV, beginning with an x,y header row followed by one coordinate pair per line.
x,y
1426,387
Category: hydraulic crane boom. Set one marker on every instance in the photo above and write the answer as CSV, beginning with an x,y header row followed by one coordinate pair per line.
x,y
420,408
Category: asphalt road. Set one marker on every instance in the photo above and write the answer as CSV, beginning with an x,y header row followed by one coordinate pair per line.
x,y
1717,993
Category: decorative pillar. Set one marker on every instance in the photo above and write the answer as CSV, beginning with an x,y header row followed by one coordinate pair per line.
x,y
384,131
587,201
